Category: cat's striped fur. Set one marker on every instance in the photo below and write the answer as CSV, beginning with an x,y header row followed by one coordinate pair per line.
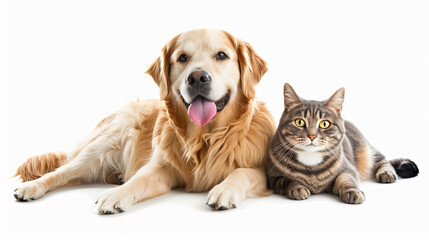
x,y
309,159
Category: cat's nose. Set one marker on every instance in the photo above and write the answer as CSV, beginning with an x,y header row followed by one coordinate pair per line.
x,y
311,137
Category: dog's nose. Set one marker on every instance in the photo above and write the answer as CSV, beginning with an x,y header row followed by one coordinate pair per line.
x,y
198,78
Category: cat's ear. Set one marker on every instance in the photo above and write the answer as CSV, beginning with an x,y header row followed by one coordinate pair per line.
x,y
336,101
290,97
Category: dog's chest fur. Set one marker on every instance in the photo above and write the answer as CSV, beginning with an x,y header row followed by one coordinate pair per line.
x,y
204,160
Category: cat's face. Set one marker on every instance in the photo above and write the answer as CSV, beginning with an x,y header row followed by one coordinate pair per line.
x,y
312,125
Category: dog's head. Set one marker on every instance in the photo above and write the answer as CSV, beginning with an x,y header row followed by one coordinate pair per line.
x,y
207,69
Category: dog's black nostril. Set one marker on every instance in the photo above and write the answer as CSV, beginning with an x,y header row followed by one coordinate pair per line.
x,y
204,78
198,78
191,80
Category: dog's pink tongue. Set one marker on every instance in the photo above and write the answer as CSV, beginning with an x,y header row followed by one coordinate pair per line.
x,y
201,111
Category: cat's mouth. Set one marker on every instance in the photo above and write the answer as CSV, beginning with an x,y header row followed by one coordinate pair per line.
x,y
312,147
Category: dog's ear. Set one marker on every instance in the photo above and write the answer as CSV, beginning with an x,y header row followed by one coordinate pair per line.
x,y
159,70
252,66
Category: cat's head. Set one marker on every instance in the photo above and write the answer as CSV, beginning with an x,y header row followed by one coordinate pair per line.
x,y
312,125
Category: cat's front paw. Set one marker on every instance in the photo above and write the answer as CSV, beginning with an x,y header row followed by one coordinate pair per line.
x,y
29,191
386,177
352,196
298,193
278,184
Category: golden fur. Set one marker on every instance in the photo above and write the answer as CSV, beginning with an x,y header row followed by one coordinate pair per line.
x,y
37,166
155,146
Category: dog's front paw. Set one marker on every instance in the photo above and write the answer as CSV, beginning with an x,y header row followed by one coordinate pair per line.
x,y
30,191
114,200
222,198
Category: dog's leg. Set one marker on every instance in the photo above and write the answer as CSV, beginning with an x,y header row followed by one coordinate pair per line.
x,y
152,180
242,183
80,169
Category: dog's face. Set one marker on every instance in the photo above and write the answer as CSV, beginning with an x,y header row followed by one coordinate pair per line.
x,y
206,70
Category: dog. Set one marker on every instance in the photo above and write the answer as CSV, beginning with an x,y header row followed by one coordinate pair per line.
x,y
206,133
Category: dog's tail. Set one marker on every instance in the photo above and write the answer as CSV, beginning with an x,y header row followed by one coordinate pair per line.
x,y
37,166
405,168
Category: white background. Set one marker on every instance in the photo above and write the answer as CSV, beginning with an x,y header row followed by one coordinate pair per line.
x,y
64,65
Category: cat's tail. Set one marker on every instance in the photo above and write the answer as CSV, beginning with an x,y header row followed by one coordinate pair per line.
x,y
405,168
388,171
37,166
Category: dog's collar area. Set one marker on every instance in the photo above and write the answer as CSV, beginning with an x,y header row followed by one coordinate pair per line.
x,y
220,104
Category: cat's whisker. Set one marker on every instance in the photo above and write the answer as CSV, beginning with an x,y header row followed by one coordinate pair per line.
x,y
284,153
281,146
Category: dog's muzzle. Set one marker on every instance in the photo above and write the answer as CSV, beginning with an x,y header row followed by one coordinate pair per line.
x,y
202,109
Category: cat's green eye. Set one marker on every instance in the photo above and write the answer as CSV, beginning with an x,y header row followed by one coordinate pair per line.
x,y
324,124
300,122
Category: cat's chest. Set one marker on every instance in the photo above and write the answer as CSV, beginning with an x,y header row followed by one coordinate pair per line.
x,y
320,170
309,158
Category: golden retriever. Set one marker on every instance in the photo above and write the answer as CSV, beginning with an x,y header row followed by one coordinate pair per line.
x,y
208,132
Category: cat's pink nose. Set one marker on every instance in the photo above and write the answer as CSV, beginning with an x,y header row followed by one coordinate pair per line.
x,y
311,137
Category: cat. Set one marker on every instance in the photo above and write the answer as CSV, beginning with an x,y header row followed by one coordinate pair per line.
x,y
314,150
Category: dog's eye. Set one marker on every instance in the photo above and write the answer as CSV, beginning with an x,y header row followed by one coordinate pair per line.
x,y
221,56
182,58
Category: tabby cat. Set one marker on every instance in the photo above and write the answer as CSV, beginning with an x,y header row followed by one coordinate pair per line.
x,y
314,150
